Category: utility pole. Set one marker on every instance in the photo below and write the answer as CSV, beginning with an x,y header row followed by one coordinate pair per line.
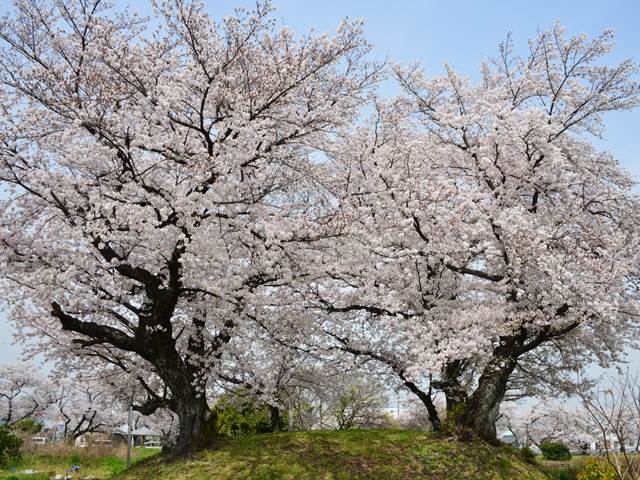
x,y
290,416
129,438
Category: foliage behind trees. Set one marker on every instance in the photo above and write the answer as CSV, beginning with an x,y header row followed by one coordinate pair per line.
x,y
27,425
362,404
9,446
555,451
238,416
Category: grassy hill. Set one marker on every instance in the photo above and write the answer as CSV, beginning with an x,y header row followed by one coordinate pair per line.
x,y
348,455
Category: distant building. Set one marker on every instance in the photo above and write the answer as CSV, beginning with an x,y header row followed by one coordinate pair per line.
x,y
142,437
508,438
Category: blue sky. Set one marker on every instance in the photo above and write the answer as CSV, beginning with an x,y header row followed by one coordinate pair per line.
x,y
461,33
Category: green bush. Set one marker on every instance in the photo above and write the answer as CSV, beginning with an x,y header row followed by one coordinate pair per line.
x,y
566,474
237,416
9,447
27,425
597,469
74,459
555,451
527,455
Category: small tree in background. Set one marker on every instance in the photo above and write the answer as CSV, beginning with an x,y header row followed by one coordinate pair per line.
x,y
9,447
239,415
360,404
84,406
415,416
611,410
24,393
27,426
555,451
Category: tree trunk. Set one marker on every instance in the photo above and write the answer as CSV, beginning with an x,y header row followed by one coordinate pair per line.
x,y
482,407
427,401
196,425
275,418
432,412
450,384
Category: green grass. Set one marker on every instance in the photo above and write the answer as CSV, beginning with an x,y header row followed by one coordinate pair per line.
x,y
324,455
92,464
341,455
564,470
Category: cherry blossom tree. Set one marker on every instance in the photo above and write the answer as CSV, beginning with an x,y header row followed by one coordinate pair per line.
x,y
611,413
23,393
83,407
485,226
543,422
97,398
160,182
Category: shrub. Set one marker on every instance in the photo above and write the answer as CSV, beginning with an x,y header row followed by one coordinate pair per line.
x,y
527,455
555,451
597,469
237,416
27,425
75,459
9,447
565,474
359,403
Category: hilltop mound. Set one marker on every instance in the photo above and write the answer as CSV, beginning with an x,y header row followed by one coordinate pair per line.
x,y
353,454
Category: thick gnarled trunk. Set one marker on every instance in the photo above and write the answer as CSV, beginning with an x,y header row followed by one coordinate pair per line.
x,y
196,425
196,421
483,405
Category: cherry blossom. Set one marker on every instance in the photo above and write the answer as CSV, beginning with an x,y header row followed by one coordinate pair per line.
x,y
484,226
160,179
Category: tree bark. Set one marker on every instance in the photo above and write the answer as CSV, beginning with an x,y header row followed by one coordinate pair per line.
x,y
196,425
196,422
427,401
482,407
275,418
454,392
